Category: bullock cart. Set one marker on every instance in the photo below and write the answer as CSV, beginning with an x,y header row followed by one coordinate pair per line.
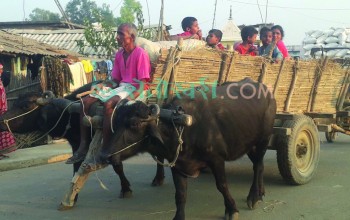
x,y
310,96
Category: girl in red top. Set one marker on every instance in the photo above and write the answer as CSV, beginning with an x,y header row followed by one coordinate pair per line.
x,y
248,34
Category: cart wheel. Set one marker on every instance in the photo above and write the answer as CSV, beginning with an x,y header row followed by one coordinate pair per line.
x,y
330,136
298,154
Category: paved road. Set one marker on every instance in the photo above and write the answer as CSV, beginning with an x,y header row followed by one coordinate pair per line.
x,y
34,193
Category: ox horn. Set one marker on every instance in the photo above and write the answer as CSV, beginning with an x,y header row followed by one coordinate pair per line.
x,y
154,109
42,101
45,98
154,113
48,94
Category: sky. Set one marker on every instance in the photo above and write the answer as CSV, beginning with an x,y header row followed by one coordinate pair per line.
x,y
295,16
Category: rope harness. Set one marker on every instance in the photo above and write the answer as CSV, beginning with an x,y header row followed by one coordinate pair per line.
x,y
179,147
6,122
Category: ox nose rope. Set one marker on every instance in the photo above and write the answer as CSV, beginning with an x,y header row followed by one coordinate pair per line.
x,y
6,121
179,147
59,119
31,141
129,146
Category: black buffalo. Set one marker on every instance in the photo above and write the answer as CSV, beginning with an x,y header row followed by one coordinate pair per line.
x,y
228,122
44,118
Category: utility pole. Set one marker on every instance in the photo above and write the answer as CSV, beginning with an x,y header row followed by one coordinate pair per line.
x,y
161,21
64,15
212,27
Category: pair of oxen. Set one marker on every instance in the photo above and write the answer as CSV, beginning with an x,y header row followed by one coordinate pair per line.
x,y
226,125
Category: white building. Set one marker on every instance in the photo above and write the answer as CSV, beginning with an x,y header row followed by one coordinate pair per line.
x,y
230,32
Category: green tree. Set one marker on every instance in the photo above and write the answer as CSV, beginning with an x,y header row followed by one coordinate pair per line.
x,y
78,11
129,11
43,15
105,36
107,15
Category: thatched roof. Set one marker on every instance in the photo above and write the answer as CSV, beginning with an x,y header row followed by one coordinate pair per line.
x,y
16,44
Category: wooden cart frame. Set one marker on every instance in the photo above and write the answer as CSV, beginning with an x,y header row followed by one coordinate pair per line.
x,y
310,97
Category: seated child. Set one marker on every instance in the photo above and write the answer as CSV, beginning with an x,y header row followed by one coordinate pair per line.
x,y
248,34
191,30
265,49
214,38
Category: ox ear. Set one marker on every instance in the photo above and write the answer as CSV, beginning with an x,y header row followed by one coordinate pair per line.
x,y
153,132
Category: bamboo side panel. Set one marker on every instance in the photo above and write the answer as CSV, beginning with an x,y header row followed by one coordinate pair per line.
x,y
303,86
284,83
245,66
203,66
329,87
196,67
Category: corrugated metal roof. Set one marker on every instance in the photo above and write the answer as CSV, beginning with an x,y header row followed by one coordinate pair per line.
x,y
66,39
16,44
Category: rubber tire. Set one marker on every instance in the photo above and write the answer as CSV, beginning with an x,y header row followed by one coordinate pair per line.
x,y
294,170
330,136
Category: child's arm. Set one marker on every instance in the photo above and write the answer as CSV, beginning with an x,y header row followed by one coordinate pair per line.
x,y
176,37
197,36
253,49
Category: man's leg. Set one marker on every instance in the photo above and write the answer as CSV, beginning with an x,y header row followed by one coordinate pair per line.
x,y
85,134
107,132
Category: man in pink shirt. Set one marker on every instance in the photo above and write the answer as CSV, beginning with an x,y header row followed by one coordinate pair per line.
x,y
131,72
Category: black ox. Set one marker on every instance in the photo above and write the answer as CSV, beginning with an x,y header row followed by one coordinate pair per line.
x,y
47,113
238,121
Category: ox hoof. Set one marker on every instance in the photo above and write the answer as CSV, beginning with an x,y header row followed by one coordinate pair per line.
x,y
124,195
62,207
253,202
233,216
157,181
77,157
89,167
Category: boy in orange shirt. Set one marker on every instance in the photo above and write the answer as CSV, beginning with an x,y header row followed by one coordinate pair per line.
x,y
248,34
